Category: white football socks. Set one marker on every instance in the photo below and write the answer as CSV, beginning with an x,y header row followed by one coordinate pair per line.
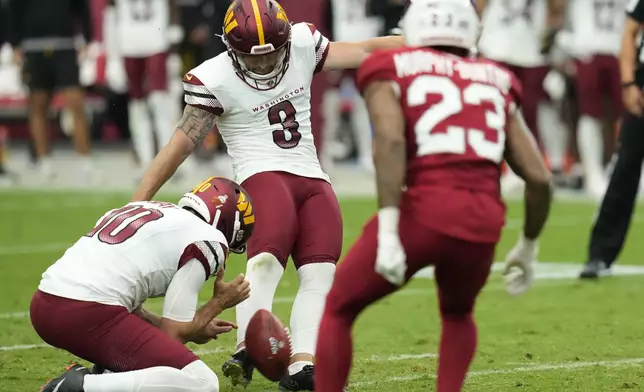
x,y
196,377
263,272
362,128
591,151
315,282
331,124
297,367
161,104
553,133
141,129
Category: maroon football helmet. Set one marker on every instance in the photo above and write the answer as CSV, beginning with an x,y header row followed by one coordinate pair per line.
x,y
225,205
257,35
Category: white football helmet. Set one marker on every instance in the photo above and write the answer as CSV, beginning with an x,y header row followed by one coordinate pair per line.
x,y
441,23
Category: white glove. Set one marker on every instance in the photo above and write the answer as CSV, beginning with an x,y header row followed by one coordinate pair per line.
x,y
555,85
115,75
391,261
518,273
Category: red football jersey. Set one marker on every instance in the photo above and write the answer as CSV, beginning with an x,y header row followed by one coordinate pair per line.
x,y
456,110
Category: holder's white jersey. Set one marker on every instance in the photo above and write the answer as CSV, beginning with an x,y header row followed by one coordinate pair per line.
x,y
351,23
264,130
512,31
142,27
133,253
596,26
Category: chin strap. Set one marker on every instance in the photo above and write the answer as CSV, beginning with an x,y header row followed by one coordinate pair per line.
x,y
236,228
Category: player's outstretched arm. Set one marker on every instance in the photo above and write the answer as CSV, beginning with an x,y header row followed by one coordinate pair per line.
x,y
192,129
349,55
523,156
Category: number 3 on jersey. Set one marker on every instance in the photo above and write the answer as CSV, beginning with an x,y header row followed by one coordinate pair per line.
x,y
455,139
288,136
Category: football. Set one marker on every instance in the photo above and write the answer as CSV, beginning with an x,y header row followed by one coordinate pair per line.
x,y
268,344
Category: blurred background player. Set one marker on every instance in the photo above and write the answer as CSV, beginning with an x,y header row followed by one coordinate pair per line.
x,y
441,134
593,40
43,36
139,36
512,35
616,211
8,81
350,24
389,11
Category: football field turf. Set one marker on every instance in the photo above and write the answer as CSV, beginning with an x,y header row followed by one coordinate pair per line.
x,y
563,335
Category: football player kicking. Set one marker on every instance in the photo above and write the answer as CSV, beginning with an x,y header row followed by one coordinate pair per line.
x,y
443,124
259,95
89,301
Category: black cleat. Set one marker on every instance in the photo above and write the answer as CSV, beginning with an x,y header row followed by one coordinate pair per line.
x,y
239,369
70,381
595,269
300,381
97,369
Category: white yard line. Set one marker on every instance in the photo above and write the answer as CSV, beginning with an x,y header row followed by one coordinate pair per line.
x,y
536,368
511,224
276,300
9,250
13,315
19,347
399,357
58,204
551,273
216,350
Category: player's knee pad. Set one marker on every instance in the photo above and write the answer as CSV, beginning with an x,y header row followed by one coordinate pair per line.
x,y
206,378
264,269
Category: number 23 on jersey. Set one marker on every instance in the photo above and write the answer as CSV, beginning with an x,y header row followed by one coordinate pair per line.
x,y
455,139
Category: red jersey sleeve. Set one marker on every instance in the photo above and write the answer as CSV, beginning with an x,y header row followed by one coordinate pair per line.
x,y
198,95
378,66
516,90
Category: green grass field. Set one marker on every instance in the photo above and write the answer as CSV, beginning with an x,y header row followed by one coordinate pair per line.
x,y
563,335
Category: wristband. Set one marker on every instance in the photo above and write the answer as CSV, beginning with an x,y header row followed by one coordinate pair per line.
x,y
388,220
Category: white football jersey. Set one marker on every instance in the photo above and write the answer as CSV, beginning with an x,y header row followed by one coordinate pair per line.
x,y
142,27
351,23
596,26
264,130
133,253
512,31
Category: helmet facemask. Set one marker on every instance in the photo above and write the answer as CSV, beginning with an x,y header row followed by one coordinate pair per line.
x,y
248,66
